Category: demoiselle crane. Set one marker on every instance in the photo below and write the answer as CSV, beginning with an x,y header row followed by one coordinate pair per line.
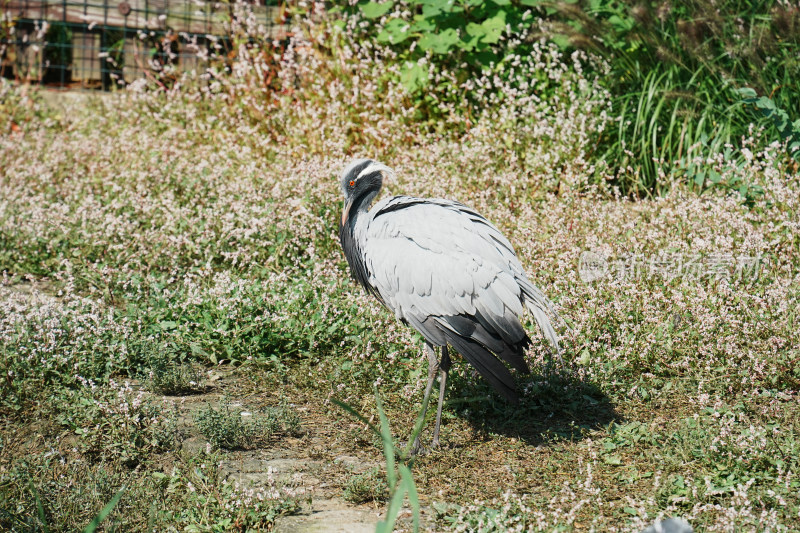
x,y
446,271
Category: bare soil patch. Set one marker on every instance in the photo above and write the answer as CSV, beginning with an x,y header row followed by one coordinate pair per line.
x,y
318,463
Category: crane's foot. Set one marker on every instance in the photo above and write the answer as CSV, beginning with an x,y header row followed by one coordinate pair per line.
x,y
418,450
415,448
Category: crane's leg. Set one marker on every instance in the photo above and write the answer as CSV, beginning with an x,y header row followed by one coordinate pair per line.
x,y
444,367
433,368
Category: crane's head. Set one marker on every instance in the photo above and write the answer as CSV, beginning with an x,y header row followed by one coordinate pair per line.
x,y
361,182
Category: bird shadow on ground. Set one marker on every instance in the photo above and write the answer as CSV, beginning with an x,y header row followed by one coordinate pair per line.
x,y
554,404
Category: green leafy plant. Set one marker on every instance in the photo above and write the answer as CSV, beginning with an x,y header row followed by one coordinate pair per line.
x,y
469,34
369,486
445,27
672,70
168,372
788,131
233,429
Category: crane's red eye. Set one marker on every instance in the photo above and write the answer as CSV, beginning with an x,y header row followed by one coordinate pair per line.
x,y
352,183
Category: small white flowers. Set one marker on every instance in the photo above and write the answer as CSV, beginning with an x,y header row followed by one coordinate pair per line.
x,y
165,192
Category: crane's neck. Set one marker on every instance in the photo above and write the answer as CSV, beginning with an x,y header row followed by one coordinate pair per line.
x,y
350,237
361,204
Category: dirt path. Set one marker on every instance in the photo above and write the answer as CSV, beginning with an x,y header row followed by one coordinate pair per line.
x,y
314,463
311,463
320,461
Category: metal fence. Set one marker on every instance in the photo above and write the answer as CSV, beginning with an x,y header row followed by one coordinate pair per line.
x,y
89,44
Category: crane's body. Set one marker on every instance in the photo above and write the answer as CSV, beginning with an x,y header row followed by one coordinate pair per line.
x,y
446,271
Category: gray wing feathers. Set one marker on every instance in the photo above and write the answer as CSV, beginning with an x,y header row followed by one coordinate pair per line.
x,y
414,280
440,259
538,304
547,328
429,330
489,367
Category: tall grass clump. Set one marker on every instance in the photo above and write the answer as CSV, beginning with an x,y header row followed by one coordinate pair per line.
x,y
676,72
671,72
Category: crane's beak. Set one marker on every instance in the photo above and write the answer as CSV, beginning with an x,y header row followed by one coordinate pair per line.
x,y
346,211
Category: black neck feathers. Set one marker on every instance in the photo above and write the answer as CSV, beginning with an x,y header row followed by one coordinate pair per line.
x,y
351,246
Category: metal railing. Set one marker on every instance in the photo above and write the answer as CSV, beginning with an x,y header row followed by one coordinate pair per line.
x,y
91,44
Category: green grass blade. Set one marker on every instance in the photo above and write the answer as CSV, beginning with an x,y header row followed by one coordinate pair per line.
x,y
39,507
387,524
388,444
417,427
413,497
104,512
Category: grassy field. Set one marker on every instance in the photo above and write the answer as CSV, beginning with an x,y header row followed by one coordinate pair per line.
x,y
170,261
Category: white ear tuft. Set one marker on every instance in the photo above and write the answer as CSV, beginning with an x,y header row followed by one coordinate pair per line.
x,y
377,167
353,164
